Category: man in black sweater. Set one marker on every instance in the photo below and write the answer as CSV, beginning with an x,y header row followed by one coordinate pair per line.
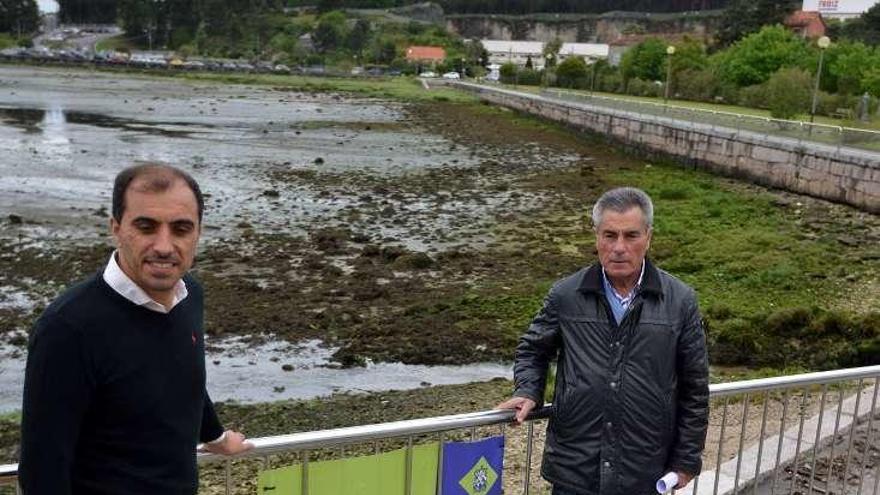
x,y
114,395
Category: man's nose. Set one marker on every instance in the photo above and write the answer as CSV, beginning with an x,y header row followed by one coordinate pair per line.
x,y
163,244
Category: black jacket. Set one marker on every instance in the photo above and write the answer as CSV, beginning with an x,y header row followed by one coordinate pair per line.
x,y
631,401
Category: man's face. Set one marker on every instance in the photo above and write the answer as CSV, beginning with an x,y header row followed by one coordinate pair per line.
x,y
157,237
622,240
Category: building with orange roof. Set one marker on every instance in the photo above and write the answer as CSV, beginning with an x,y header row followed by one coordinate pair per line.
x,y
426,54
808,24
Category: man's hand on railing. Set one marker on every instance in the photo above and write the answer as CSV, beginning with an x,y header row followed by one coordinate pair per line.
x,y
522,405
232,443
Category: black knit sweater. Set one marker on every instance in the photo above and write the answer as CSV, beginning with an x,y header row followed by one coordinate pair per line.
x,y
114,396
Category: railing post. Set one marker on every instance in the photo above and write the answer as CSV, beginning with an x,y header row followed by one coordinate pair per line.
x,y
869,439
797,449
527,478
785,399
304,479
852,429
761,440
409,465
742,439
228,474
440,463
834,437
720,445
818,437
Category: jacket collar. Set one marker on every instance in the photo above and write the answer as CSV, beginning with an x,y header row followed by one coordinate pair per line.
x,y
592,280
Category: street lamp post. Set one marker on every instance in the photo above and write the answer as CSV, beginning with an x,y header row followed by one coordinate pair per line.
x,y
547,69
670,51
593,76
823,42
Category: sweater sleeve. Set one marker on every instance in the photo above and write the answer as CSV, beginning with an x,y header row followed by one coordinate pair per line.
x,y
211,428
58,388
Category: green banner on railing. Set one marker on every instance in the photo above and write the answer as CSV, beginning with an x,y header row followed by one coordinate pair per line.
x,y
382,474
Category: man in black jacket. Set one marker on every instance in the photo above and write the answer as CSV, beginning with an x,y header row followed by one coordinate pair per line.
x,y
114,394
632,392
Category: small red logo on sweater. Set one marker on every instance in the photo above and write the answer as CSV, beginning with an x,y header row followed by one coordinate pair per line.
x,y
194,338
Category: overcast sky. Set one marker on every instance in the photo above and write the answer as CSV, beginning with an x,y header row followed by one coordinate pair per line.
x,y
48,5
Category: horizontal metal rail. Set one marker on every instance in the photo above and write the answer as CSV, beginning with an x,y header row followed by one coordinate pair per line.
x,y
306,441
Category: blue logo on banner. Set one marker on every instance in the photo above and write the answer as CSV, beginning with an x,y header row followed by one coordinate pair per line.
x,y
473,468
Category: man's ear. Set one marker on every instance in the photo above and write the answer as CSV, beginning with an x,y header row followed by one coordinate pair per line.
x,y
114,229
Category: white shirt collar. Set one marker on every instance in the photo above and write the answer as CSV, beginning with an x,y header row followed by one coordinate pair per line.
x,y
122,284
632,294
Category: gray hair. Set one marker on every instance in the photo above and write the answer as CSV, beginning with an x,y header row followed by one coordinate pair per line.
x,y
621,200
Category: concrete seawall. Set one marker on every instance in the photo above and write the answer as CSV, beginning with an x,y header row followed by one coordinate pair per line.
x,y
839,174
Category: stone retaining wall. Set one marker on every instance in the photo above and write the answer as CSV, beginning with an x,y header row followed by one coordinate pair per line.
x,y
840,174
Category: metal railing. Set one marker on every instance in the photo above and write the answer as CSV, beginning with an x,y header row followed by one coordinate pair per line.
x,y
838,136
807,433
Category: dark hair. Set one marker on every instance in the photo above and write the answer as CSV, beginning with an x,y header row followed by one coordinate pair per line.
x,y
159,178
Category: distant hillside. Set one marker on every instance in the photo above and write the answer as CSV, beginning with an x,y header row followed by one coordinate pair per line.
x,y
519,7
609,27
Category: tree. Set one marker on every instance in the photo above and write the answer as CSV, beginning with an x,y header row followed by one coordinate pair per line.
x,y
847,63
19,17
529,63
359,36
508,73
551,51
865,28
330,32
646,61
871,81
789,92
754,58
743,17
87,11
572,73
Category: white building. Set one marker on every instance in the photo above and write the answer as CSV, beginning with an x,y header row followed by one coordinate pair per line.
x,y
589,51
518,52
515,52
838,9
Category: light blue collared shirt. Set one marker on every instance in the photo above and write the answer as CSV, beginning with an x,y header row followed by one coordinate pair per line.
x,y
620,304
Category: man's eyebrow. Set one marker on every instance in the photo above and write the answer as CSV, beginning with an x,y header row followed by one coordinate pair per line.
x,y
144,219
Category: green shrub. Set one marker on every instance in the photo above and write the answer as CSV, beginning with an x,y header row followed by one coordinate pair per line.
x,y
699,85
530,77
639,87
789,92
572,73
755,96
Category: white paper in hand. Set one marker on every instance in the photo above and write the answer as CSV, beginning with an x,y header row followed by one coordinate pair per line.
x,y
667,483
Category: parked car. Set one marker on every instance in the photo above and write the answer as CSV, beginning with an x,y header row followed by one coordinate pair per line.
x,y
428,74
282,69
452,75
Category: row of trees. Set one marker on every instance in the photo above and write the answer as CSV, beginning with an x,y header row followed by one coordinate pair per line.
x,y
87,11
201,25
19,17
772,68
